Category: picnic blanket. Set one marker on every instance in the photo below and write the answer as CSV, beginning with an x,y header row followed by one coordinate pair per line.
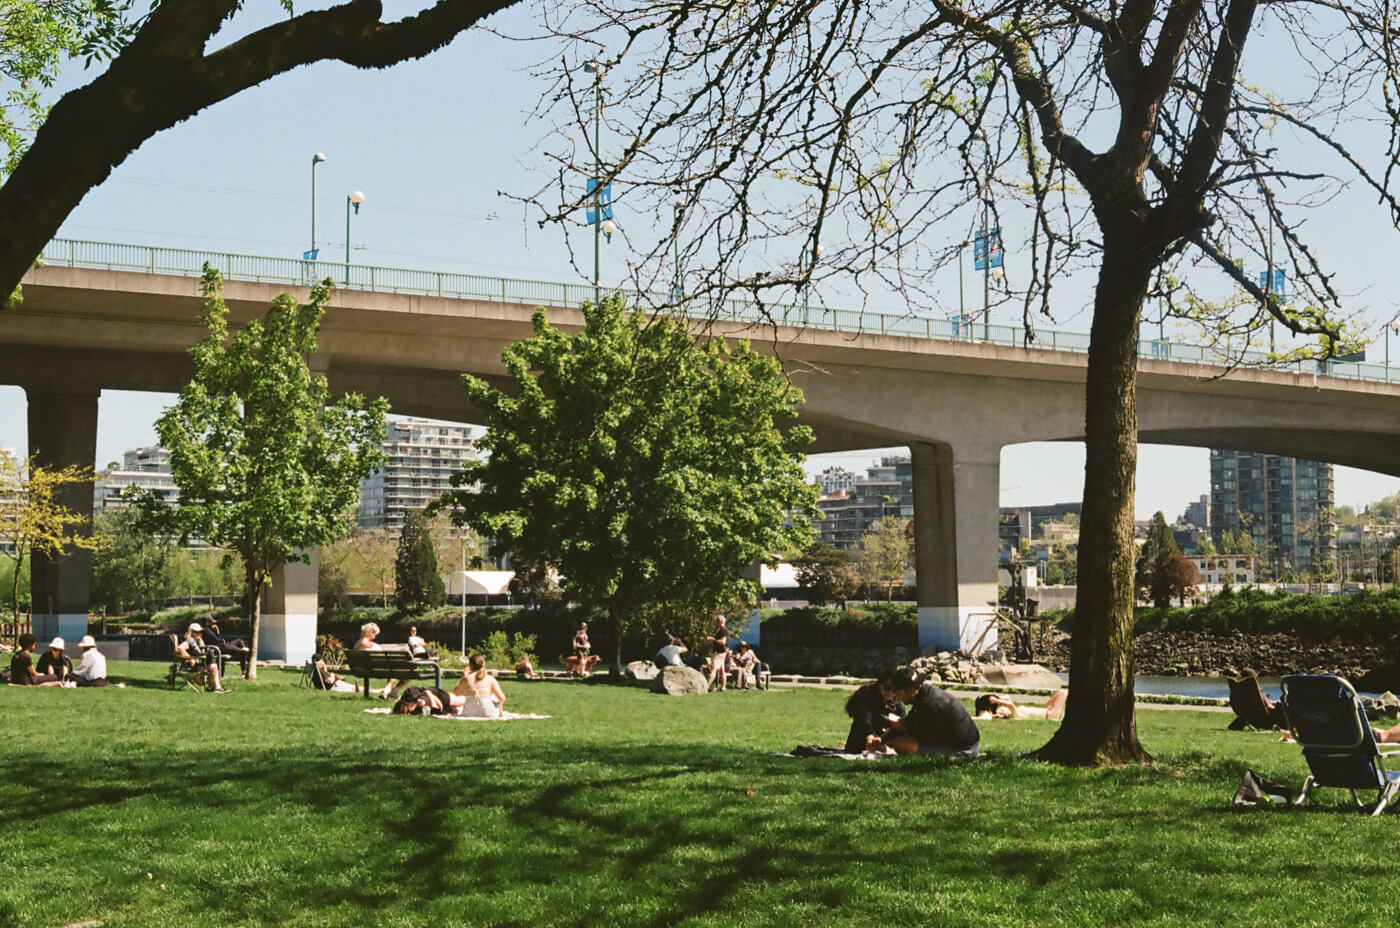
x,y
503,717
814,750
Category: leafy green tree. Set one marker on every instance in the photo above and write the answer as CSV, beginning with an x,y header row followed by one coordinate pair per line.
x,y
132,568
417,585
169,60
825,574
885,554
267,466
1205,547
209,572
33,516
645,467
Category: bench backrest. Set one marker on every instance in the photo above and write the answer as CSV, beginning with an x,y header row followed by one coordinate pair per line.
x,y
373,663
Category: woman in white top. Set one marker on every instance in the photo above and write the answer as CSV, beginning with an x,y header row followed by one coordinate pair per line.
x,y
484,697
368,632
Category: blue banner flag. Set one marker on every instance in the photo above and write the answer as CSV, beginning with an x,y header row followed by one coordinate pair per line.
x,y
310,255
599,199
1278,281
979,250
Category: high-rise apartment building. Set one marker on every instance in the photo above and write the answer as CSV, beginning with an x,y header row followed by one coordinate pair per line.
x,y
148,468
835,479
420,458
1286,506
887,489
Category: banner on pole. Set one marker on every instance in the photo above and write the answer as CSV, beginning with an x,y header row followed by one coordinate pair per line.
x,y
1278,287
980,250
599,200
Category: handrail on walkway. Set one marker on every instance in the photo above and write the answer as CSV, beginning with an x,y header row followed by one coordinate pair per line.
x,y
294,272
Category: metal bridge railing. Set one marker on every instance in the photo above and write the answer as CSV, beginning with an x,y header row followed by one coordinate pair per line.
x,y
294,272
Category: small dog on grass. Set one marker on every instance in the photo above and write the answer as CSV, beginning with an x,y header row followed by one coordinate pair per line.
x,y
571,664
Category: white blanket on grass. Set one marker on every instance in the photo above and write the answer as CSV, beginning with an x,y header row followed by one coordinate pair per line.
x,y
503,717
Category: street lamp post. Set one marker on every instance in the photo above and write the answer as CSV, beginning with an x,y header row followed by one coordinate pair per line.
x,y
601,227
677,290
315,160
807,278
355,198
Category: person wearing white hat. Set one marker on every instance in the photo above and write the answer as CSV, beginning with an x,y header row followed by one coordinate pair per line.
x,y
195,651
92,667
22,672
55,662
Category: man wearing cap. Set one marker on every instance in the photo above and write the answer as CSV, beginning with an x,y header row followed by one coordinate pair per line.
x,y
55,663
236,647
92,667
194,651
22,672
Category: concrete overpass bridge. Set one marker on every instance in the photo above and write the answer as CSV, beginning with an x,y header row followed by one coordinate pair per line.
x,y
100,317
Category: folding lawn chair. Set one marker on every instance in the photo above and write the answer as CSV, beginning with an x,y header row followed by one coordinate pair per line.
x,y
1250,707
1330,723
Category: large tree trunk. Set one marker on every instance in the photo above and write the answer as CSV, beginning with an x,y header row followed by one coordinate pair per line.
x,y
1099,726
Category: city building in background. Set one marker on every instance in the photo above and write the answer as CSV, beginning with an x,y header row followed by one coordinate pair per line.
x,y
1198,513
835,479
1015,523
1219,570
1285,505
421,456
148,468
887,489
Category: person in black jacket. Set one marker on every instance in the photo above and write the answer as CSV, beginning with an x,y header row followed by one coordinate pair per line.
x,y
937,723
873,710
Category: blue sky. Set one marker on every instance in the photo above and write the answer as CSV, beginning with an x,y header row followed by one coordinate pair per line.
x,y
430,143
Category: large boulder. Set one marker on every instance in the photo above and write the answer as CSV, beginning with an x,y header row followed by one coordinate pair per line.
x,y
642,670
680,681
1023,676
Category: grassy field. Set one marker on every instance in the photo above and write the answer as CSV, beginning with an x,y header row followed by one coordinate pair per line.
x,y
275,805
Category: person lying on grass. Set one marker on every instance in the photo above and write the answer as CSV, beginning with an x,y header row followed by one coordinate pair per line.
x,y
937,722
482,695
1387,736
428,700
994,706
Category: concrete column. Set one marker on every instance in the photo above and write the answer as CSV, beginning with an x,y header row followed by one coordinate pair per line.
x,y
955,545
63,432
289,613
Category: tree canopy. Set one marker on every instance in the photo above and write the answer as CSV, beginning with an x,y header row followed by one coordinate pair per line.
x,y
267,466
643,465
1125,140
417,584
166,64
33,516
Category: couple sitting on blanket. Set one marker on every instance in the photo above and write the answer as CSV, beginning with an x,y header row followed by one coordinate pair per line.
x,y
477,695
935,722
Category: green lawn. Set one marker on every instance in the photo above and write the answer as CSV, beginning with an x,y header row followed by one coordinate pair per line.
x,y
275,805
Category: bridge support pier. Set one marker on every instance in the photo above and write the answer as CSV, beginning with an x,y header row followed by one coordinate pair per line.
x,y
956,492
289,612
63,432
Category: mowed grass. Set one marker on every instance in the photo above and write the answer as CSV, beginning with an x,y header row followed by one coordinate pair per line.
x,y
275,805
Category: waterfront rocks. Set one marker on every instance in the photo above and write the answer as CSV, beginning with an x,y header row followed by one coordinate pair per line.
x,y
680,681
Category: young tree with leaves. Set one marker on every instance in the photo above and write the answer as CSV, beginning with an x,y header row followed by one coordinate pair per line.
x,y
266,464
131,566
1159,548
417,584
33,517
1123,139
643,465
885,554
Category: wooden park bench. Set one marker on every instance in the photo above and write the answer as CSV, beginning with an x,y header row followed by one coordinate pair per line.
x,y
392,662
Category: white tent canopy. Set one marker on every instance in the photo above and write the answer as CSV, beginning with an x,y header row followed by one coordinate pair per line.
x,y
478,582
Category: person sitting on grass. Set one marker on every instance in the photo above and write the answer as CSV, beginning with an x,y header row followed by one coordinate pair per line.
x,y
937,722
22,672
55,663
873,710
195,653
1387,736
524,670
994,706
482,695
92,666
428,700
